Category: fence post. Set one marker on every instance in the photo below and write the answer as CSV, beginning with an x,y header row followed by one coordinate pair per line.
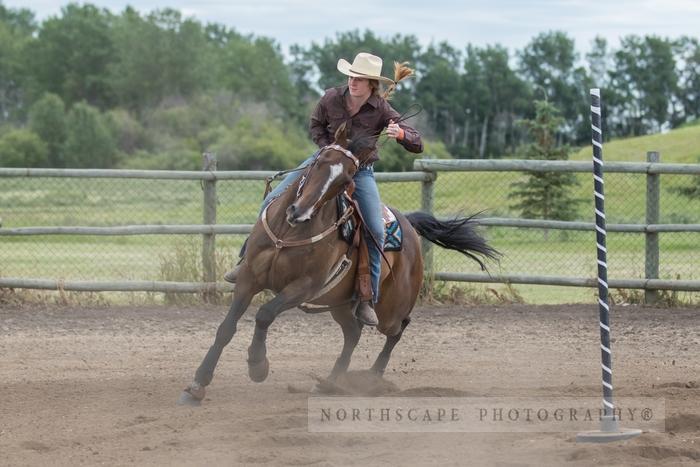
x,y
209,217
651,262
427,198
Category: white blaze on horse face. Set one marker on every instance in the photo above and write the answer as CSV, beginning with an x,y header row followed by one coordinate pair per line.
x,y
336,170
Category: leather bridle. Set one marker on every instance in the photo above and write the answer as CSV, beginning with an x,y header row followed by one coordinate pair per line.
x,y
335,147
280,243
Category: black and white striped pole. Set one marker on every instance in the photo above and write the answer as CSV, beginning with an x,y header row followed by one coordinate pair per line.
x,y
609,429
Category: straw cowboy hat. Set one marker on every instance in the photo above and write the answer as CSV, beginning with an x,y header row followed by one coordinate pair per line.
x,y
364,66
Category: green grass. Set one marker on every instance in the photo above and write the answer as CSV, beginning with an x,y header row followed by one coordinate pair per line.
x,y
677,146
104,202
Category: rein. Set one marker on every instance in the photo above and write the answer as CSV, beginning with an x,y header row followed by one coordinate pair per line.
x,y
279,243
403,117
269,180
337,147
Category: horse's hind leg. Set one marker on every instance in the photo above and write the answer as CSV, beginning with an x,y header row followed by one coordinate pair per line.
x,y
352,330
384,356
243,294
291,296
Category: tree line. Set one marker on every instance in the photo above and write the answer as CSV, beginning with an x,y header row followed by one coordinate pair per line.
x,y
89,88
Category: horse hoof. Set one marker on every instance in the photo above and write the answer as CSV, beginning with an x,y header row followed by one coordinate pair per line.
x,y
258,370
187,399
192,395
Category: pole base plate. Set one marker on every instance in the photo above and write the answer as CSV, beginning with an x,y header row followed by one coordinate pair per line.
x,y
600,436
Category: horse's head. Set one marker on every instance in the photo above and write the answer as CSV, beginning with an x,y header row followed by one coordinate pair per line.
x,y
329,174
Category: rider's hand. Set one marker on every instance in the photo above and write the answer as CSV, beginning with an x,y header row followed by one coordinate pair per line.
x,y
394,131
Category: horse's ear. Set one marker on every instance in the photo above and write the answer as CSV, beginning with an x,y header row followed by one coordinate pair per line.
x,y
341,135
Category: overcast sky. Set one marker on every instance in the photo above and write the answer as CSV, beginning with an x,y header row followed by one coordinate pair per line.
x,y
511,23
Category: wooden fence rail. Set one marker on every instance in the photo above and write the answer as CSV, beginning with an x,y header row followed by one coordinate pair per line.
x,y
652,168
426,172
208,229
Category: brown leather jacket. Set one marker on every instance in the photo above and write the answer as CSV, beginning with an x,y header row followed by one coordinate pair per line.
x,y
373,116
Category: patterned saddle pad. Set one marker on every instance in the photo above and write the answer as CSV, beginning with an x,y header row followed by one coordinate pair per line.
x,y
393,234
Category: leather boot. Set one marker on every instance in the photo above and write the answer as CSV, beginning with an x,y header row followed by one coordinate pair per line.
x,y
365,314
232,275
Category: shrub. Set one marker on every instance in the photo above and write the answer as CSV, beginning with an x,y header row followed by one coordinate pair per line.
x,y
259,145
47,118
23,148
129,135
89,142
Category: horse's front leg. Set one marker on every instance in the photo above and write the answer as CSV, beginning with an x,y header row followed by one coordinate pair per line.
x,y
242,295
291,296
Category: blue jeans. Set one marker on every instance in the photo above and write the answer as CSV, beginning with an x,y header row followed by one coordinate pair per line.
x,y
367,196
286,181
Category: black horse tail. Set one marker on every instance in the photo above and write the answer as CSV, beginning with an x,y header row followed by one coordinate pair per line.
x,y
458,234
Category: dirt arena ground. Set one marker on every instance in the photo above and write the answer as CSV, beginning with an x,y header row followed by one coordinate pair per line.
x,y
96,386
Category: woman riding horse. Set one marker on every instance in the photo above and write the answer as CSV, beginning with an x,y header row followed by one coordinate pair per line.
x,y
297,248
364,109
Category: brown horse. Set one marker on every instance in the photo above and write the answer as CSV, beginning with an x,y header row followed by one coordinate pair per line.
x,y
293,249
